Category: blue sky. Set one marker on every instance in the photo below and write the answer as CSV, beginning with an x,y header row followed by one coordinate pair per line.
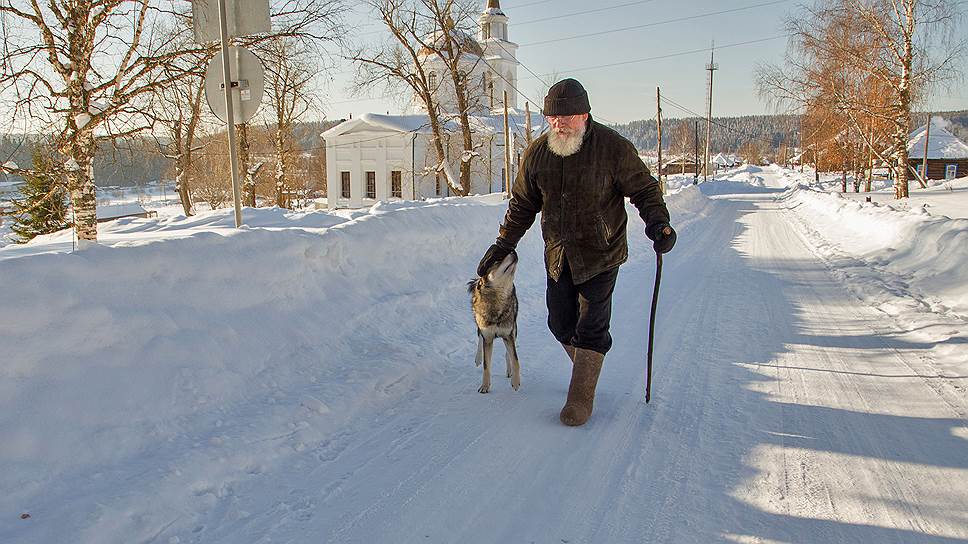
x,y
627,91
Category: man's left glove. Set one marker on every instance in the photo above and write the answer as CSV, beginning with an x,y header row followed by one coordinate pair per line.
x,y
663,237
495,254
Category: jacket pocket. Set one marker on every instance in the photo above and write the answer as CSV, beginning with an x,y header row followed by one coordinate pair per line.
x,y
604,233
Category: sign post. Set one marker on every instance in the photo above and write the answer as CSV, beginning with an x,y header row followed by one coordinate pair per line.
x,y
247,17
229,113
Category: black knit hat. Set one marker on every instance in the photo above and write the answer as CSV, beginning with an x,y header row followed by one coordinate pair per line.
x,y
567,97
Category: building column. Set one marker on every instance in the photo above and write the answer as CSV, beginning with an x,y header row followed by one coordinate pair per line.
x,y
382,174
333,182
357,181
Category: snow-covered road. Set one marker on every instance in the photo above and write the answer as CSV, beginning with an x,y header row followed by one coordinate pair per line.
x,y
778,416
784,408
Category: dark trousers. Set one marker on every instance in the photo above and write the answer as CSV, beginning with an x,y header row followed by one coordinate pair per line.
x,y
579,315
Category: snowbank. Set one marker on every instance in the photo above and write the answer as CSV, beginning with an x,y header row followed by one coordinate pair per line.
x,y
187,355
924,253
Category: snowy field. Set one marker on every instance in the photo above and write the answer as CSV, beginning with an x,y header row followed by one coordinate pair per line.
x,y
310,378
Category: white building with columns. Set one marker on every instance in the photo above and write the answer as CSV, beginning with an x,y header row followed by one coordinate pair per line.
x,y
386,157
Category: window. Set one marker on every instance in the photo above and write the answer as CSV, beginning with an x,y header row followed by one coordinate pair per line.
x,y
396,184
950,171
486,30
432,80
438,185
345,180
371,185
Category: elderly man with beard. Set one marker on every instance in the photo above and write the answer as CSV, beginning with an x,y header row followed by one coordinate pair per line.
x,y
578,175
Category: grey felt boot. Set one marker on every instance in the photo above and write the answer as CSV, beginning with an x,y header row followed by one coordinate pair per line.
x,y
581,392
570,350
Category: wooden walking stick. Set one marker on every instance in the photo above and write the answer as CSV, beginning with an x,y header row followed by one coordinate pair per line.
x,y
655,302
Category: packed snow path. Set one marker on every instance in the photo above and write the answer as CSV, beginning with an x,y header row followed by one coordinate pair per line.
x,y
784,409
777,416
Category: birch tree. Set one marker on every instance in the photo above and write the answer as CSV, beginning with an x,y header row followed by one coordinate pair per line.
x,y
452,43
874,59
177,111
289,73
417,32
83,69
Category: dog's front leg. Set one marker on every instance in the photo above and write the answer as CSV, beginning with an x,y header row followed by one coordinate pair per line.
x,y
514,364
479,357
487,348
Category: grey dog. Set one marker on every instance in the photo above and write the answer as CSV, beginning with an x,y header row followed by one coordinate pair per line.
x,y
495,307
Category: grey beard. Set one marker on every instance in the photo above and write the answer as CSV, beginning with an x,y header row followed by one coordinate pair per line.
x,y
564,146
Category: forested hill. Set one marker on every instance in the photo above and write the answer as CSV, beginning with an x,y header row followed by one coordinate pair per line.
x,y
139,160
730,133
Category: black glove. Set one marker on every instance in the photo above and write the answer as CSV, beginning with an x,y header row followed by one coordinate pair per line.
x,y
495,254
663,237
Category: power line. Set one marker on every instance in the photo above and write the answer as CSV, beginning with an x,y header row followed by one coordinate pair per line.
x,y
519,91
586,12
679,106
670,55
657,23
530,4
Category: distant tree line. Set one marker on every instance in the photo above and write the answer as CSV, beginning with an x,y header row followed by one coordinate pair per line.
x,y
730,134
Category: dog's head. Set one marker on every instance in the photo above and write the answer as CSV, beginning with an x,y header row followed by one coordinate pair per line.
x,y
499,276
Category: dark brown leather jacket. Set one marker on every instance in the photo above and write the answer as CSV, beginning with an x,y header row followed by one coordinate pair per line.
x,y
582,201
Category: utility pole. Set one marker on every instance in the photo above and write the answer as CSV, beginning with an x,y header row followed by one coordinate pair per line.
x,y
711,68
658,164
924,161
695,178
527,124
507,148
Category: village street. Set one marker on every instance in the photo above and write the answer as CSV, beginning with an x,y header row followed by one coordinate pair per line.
x,y
785,407
784,410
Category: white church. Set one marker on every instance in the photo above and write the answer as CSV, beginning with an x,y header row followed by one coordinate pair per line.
x,y
388,157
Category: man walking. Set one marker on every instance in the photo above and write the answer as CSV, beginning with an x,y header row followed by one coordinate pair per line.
x,y
578,175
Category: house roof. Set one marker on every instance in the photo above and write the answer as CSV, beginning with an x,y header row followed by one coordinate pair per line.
x,y
942,144
112,211
420,124
468,43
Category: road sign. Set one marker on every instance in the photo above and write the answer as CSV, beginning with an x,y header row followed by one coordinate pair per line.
x,y
243,18
246,85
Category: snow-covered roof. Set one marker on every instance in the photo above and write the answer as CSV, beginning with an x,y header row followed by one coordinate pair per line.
x,y
110,211
468,43
420,124
942,144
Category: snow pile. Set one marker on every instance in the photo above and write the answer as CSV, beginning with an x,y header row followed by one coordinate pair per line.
x,y
942,144
182,349
144,378
910,252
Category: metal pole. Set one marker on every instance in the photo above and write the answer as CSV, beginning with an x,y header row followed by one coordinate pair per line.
x,y
230,112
